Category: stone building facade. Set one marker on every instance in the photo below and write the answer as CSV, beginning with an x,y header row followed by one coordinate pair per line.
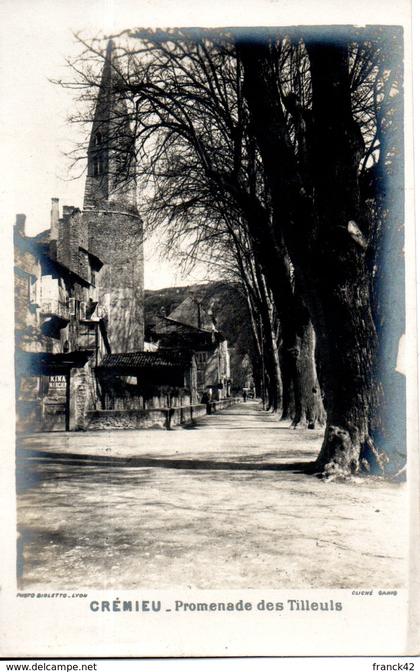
x,y
60,327
67,378
208,344
146,389
80,354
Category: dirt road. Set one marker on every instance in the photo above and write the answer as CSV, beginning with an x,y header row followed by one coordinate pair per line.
x,y
222,505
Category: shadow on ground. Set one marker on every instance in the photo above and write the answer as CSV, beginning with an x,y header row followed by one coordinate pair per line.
x,y
28,459
211,509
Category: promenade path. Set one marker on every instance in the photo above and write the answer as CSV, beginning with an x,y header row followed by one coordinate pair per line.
x,y
225,504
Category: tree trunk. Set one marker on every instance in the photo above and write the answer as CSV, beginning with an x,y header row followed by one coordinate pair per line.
x,y
269,332
347,341
272,364
309,409
323,230
277,405
287,367
388,286
340,302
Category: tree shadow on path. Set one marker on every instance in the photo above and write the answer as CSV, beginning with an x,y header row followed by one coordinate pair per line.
x,y
41,456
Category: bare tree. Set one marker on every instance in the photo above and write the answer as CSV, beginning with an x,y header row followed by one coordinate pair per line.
x,y
283,137
189,95
326,225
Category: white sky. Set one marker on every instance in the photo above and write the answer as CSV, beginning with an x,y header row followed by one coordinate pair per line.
x,y
34,131
37,36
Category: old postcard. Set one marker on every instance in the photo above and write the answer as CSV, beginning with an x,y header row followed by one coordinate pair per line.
x,y
209,383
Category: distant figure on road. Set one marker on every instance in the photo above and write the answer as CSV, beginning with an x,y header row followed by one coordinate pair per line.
x,y
205,398
244,394
207,395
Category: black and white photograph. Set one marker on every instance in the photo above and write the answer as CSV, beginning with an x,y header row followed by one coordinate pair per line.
x,y
209,232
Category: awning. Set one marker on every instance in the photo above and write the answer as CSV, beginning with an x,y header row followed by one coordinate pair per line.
x,y
48,363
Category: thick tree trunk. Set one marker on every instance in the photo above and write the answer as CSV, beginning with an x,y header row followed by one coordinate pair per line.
x,y
263,329
269,335
277,404
347,340
323,230
272,364
271,394
339,275
257,368
302,402
287,367
309,409
388,287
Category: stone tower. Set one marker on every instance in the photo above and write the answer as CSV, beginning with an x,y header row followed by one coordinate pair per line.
x,y
111,215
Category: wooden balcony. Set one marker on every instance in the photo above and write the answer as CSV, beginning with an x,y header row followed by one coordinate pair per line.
x,y
55,315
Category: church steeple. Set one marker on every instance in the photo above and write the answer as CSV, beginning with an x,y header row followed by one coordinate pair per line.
x,y
111,157
111,213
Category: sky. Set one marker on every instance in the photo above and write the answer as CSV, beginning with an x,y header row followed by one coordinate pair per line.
x,y
35,133
37,37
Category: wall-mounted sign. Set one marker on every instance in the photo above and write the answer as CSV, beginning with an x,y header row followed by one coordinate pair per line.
x,y
57,386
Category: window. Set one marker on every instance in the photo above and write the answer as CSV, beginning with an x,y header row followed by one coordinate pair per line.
x,y
72,306
95,164
32,290
98,138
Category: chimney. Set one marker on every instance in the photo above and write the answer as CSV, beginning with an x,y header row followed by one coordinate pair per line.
x,y
20,224
54,218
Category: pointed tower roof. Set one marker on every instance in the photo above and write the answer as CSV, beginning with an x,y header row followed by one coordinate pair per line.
x,y
105,102
111,166
109,71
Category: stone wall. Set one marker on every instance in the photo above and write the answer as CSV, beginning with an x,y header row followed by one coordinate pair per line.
x,y
73,234
82,399
27,284
214,406
116,237
29,416
154,418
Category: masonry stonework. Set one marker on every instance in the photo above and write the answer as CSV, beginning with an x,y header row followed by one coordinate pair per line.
x,y
81,397
117,239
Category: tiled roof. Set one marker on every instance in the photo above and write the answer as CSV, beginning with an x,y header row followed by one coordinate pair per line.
x,y
214,333
143,360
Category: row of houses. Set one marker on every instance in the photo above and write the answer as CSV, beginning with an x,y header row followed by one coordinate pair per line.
x,y
68,376
81,359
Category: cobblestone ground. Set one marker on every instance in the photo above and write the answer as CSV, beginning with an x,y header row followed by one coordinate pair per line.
x,y
223,505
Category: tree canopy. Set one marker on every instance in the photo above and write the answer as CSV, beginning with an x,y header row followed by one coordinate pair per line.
x,y
277,154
